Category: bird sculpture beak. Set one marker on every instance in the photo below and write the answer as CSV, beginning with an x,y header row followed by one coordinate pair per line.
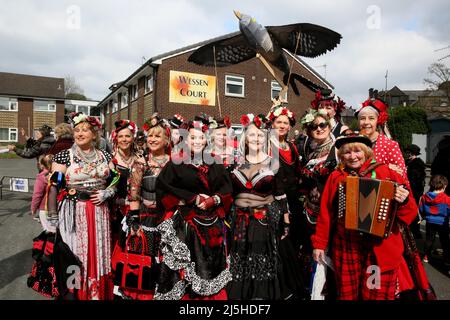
x,y
237,14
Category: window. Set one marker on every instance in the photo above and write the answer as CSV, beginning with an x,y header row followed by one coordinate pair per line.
x,y
84,109
234,86
8,134
134,92
148,84
44,105
8,104
275,90
124,102
115,107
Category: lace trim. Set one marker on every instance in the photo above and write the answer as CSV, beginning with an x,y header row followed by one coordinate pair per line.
x,y
176,293
177,256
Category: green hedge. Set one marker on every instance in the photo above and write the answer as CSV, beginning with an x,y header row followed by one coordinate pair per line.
x,y
404,121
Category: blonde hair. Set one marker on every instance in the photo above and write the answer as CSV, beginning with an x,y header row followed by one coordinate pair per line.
x,y
243,149
160,130
368,153
63,129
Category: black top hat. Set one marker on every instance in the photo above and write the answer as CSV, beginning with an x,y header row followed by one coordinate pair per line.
x,y
413,149
176,121
352,137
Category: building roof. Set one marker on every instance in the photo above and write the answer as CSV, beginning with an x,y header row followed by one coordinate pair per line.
x,y
413,95
14,84
155,60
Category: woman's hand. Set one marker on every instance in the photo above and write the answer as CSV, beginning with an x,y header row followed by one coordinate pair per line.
x,y
11,147
286,225
200,201
149,204
401,193
319,256
97,197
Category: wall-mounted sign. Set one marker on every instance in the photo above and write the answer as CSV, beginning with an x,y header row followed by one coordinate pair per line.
x,y
192,88
18,184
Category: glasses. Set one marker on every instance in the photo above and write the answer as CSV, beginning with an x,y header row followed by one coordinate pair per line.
x,y
321,125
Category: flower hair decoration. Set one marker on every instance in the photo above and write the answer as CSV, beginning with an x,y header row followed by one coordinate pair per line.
x,y
199,125
124,124
79,117
310,115
333,100
260,121
378,104
220,123
282,111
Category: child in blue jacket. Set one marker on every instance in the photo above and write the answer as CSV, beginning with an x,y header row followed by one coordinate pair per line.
x,y
435,206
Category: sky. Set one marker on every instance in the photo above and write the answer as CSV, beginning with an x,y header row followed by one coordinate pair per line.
x,y
102,42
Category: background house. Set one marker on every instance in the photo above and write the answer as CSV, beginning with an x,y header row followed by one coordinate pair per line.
x,y
28,102
436,105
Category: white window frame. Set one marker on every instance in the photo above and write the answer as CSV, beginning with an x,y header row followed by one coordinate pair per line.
x,y
10,131
10,103
51,107
147,87
236,83
123,105
16,109
275,86
134,92
77,107
115,107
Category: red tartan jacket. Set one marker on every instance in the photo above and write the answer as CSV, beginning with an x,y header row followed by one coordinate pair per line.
x,y
388,252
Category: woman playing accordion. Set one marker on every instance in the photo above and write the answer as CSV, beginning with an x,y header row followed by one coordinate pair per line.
x,y
366,265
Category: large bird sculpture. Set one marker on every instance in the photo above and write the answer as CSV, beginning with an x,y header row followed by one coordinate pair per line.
x,y
304,39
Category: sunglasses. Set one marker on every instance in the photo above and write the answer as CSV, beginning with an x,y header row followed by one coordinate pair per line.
x,y
321,125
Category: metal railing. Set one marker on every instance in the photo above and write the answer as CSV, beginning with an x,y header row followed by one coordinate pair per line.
x,y
7,184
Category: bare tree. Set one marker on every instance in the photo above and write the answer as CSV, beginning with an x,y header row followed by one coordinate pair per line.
x,y
440,78
71,86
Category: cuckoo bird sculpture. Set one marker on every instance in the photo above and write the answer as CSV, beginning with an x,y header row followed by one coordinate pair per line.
x,y
267,43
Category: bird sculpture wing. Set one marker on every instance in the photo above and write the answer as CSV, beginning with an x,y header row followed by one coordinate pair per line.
x,y
230,50
314,40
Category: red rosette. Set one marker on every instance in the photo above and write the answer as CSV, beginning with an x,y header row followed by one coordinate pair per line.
x,y
284,112
257,121
259,215
245,120
383,118
146,127
249,185
227,121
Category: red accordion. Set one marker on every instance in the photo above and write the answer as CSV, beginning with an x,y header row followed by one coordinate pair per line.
x,y
368,205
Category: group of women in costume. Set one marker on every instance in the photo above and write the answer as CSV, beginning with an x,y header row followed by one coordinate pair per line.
x,y
220,218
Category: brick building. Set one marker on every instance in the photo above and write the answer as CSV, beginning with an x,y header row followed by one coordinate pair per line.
x,y
28,102
242,88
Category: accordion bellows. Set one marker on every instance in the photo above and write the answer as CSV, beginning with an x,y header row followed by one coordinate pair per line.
x,y
368,205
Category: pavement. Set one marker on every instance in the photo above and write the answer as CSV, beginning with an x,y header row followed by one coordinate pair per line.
x,y
17,230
